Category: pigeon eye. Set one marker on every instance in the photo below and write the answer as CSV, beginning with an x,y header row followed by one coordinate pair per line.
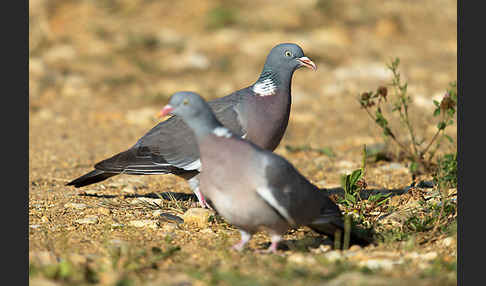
x,y
288,54
185,102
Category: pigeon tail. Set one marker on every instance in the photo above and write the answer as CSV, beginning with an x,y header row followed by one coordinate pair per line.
x,y
92,177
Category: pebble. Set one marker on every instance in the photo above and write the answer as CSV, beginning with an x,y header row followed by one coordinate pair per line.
x,y
34,226
321,249
197,216
88,220
334,255
75,206
299,258
448,241
156,213
144,223
429,255
376,263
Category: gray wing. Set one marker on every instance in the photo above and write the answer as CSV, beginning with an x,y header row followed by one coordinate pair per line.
x,y
291,194
170,146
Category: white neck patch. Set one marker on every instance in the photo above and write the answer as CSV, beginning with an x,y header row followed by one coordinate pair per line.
x,y
222,132
265,88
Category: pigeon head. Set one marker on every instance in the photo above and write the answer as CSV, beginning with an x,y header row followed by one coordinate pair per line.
x,y
185,104
279,67
193,109
288,56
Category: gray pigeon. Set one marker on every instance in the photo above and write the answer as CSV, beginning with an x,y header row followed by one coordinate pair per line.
x,y
259,113
253,188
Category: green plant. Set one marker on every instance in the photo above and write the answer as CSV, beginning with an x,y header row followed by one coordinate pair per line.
x,y
419,152
446,173
353,184
357,211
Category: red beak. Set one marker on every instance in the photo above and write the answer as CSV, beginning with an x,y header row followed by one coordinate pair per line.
x,y
166,110
305,61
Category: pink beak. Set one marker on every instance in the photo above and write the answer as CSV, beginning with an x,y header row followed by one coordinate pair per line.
x,y
305,61
166,110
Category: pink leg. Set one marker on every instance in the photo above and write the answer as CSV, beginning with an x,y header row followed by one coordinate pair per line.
x,y
273,246
194,184
202,200
245,237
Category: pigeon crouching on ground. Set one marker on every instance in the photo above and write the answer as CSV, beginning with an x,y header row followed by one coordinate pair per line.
x,y
259,113
252,188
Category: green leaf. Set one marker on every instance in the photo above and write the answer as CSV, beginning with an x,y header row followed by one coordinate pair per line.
x,y
355,176
436,103
350,198
436,111
441,125
451,111
413,167
449,138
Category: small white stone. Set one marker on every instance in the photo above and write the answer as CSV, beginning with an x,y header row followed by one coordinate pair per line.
x,y
448,241
334,255
198,216
299,258
87,220
385,264
156,213
144,223
429,255
75,206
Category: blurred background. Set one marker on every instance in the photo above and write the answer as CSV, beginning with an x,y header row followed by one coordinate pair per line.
x,y
100,70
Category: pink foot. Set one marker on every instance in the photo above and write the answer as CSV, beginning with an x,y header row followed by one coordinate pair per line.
x,y
245,237
273,246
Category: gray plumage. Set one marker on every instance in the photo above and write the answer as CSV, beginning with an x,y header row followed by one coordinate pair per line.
x,y
252,188
259,113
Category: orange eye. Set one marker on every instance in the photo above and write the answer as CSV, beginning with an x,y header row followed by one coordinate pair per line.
x,y
185,102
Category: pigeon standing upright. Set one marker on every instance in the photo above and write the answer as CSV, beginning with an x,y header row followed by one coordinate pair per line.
x,y
259,113
253,188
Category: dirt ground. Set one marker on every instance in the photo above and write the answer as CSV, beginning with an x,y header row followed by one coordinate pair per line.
x,y
99,71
